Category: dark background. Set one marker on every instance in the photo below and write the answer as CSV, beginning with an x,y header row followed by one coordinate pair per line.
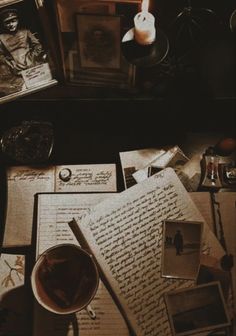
x,y
196,94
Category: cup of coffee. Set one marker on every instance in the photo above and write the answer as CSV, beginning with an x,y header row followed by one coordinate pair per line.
x,y
64,279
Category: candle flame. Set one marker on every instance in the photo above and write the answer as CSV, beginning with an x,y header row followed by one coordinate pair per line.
x,y
145,5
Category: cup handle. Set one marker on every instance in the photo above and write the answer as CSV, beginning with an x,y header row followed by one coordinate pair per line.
x,y
90,312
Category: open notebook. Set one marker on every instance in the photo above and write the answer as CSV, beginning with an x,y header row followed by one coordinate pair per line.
x,y
23,182
125,235
54,211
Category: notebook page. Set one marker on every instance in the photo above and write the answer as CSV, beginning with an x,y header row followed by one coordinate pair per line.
x,y
225,210
124,235
22,183
203,202
54,213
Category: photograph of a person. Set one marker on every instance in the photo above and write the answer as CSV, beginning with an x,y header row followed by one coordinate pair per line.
x,y
197,309
99,41
181,249
23,60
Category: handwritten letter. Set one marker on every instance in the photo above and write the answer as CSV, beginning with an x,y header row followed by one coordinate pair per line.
x,y
23,183
54,213
125,234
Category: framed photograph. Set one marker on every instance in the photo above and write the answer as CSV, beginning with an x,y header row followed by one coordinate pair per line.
x,y
181,248
66,12
122,78
99,39
197,309
25,60
90,53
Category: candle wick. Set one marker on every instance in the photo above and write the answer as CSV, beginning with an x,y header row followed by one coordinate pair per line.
x,y
143,16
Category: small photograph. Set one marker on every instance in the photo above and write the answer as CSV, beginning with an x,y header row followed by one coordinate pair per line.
x,y
129,179
99,39
211,273
181,249
24,59
135,160
174,158
197,309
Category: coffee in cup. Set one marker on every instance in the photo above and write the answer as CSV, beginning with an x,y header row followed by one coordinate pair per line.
x,y
64,279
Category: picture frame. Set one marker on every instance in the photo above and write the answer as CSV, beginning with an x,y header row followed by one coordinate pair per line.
x,y
66,13
181,249
99,41
120,74
86,77
197,309
8,2
26,61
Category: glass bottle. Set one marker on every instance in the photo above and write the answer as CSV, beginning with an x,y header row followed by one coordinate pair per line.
x,y
210,169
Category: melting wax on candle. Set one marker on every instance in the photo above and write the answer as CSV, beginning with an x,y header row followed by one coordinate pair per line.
x,y
144,26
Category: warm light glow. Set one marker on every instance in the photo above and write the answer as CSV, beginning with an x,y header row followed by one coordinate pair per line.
x,y
144,25
145,5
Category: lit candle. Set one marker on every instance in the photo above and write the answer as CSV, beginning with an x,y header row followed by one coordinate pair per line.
x,y
144,26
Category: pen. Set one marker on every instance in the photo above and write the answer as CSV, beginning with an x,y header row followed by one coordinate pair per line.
x,y
74,228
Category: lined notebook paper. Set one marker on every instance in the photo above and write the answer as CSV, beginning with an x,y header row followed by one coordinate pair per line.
x,y
54,211
24,182
133,220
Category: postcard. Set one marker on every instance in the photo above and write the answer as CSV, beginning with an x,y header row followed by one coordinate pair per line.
x,y
86,178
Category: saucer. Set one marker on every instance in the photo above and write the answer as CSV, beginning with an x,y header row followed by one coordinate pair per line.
x,y
145,55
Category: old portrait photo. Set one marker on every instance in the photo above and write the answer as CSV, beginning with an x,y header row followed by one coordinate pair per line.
x,y
23,59
181,249
99,39
135,161
197,309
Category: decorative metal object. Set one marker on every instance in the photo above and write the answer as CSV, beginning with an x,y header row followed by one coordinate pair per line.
x,y
192,26
30,142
